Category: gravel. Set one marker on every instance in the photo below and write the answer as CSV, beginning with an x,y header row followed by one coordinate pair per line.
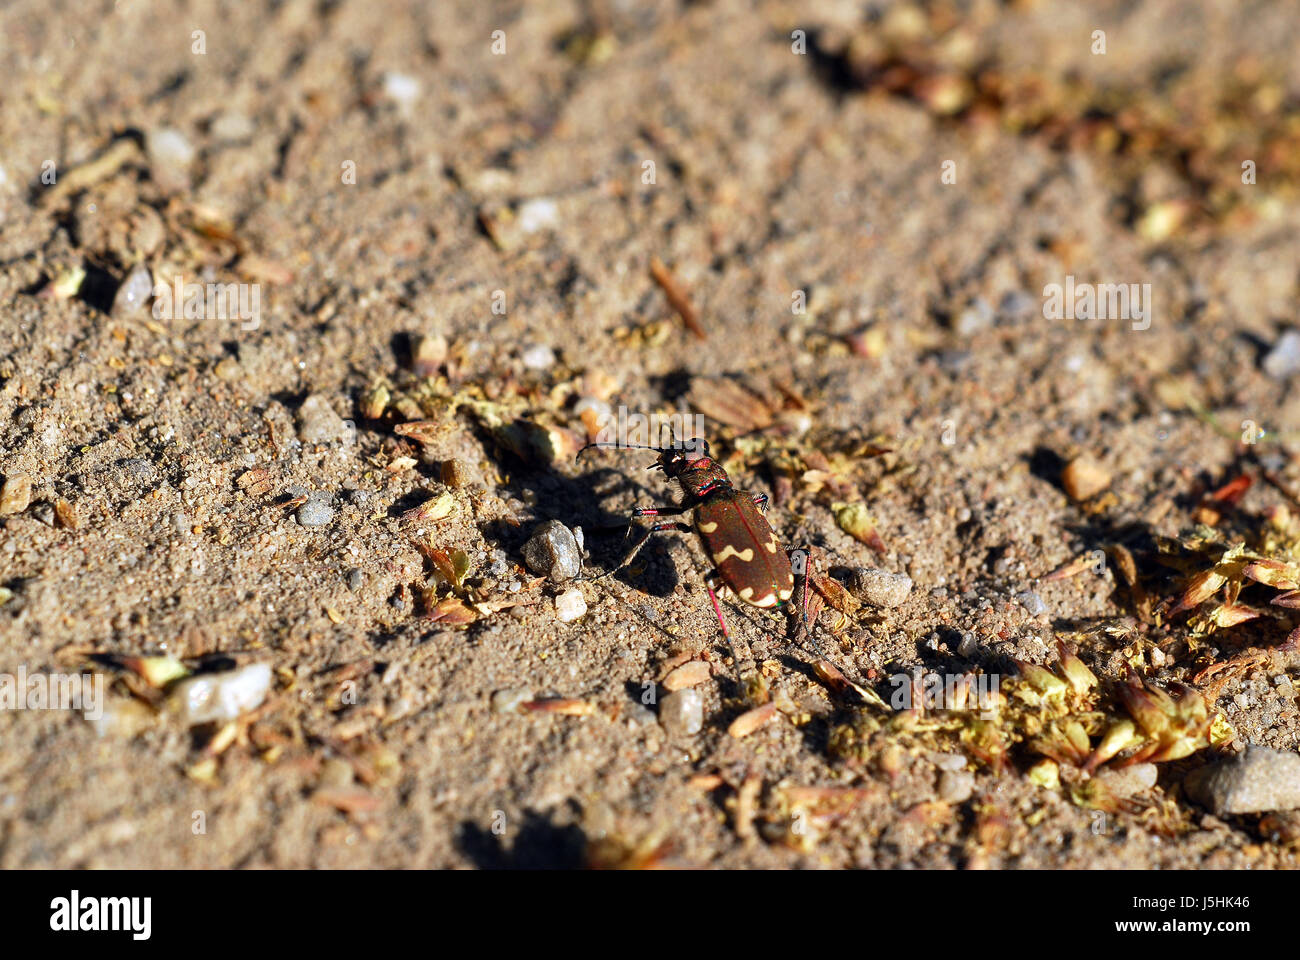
x,y
217,697
134,292
1255,781
317,421
880,588
553,552
315,513
1283,361
956,786
570,606
681,713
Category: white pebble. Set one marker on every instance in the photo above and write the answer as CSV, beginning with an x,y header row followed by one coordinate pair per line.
x,y
401,88
539,357
541,214
213,697
570,605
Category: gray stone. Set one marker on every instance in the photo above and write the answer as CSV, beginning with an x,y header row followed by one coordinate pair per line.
x,y
317,421
553,552
1032,602
681,713
956,786
315,513
1283,361
1126,781
880,588
1255,781
134,292
976,317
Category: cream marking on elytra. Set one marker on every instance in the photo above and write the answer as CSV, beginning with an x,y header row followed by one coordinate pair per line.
x,y
745,555
708,527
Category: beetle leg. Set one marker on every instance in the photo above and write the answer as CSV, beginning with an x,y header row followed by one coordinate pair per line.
x,y
710,582
652,512
676,525
760,501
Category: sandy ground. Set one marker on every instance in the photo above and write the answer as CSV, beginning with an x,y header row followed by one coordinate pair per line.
x,y
382,175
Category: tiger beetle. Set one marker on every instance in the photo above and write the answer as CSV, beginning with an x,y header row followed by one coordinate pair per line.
x,y
732,526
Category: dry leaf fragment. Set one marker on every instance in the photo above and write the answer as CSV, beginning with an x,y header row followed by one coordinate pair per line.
x,y
1071,569
687,675
66,515
751,720
676,297
422,431
854,520
452,611
728,402
432,511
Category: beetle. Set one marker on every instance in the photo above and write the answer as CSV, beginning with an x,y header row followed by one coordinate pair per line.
x,y
732,527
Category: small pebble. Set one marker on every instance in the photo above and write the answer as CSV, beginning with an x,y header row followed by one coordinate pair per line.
x,y
570,605
539,357
317,421
215,697
948,761
1283,361
681,713
1084,477
552,551
315,513
15,495
455,473
230,127
134,293
1018,305
976,317
170,156
538,214
1032,603
687,675
509,701
356,579
1255,781
956,786
401,88
880,588
1126,781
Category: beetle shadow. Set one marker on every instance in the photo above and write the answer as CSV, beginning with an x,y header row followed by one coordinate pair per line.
x,y
538,845
578,501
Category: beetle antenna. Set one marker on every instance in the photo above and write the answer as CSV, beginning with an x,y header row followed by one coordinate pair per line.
x,y
614,445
